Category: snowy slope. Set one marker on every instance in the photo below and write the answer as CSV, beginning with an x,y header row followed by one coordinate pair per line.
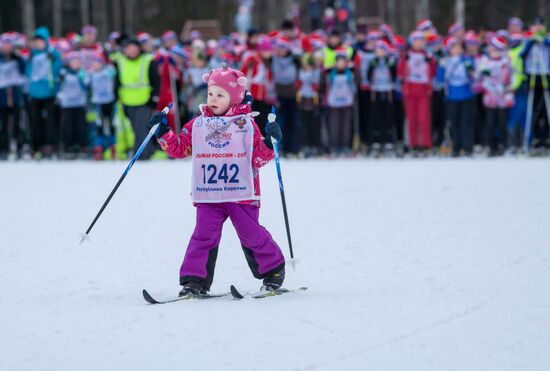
x,y
411,265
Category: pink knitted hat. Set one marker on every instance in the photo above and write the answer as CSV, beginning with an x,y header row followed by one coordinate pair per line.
x,y
233,81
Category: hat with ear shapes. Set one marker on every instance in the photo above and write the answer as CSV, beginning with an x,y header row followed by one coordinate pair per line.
x,y
233,81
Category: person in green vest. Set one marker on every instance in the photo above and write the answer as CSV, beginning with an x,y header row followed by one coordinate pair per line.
x,y
516,119
329,51
138,86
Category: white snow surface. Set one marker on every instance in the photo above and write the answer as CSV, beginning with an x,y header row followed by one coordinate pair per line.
x,y
428,264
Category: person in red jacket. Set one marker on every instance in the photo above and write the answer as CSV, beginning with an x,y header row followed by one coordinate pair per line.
x,y
257,69
417,70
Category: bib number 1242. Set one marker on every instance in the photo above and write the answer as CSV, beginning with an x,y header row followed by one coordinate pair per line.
x,y
210,174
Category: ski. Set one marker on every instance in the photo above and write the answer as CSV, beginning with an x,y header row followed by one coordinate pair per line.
x,y
148,298
264,294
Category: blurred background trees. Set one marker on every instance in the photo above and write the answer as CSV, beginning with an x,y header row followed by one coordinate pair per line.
x,y
155,16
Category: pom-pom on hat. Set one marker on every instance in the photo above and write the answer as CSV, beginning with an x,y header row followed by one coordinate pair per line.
x,y
498,43
233,81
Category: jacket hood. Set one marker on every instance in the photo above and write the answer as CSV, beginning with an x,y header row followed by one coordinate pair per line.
x,y
43,33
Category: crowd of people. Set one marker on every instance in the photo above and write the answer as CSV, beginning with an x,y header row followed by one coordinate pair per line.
x,y
368,92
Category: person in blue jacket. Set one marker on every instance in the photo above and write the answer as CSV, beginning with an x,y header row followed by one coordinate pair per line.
x,y
43,70
456,72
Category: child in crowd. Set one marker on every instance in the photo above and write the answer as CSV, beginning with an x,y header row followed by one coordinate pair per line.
x,y
382,73
456,72
72,96
495,72
339,88
102,85
307,97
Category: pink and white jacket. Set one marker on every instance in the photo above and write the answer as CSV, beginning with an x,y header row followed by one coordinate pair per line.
x,y
180,145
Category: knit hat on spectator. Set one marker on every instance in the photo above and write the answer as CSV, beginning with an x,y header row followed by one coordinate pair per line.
x,y
113,36
70,56
416,35
450,42
265,44
455,28
425,25
386,29
433,40
515,21
373,35
169,35
283,42
7,38
88,29
504,34
63,46
179,51
399,42
498,43
385,46
229,79
143,37
471,38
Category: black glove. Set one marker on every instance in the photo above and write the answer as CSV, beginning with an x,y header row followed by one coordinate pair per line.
x,y
272,129
247,98
161,119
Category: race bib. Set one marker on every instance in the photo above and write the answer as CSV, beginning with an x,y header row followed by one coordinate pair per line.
x,y
40,67
340,93
222,159
10,75
419,71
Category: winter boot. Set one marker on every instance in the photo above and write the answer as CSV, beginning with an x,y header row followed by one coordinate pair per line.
x,y
274,281
192,288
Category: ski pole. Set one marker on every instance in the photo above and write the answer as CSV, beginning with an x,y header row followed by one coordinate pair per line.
x,y
136,156
529,114
271,119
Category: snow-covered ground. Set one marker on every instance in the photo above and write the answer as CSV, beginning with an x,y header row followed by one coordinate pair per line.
x,y
411,265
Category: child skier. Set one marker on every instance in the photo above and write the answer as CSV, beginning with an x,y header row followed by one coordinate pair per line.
x,y
227,149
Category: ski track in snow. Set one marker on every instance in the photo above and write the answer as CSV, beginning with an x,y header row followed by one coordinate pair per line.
x,y
429,264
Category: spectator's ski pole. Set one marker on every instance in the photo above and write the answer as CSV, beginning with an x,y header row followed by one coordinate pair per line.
x,y
271,118
529,114
136,156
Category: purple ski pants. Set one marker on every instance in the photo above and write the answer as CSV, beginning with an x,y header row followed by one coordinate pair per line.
x,y
263,255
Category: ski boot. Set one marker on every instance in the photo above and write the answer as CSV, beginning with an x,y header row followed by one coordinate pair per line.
x,y
192,288
274,281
